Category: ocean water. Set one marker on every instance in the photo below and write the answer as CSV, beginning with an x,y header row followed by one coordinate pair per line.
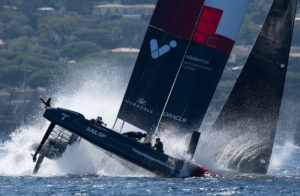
x,y
282,180
86,170
92,185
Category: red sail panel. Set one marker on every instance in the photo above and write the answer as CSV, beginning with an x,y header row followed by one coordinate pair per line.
x,y
206,31
203,65
177,17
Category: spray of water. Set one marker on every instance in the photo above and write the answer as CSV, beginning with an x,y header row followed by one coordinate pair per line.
x,y
282,160
218,151
95,90
211,145
174,145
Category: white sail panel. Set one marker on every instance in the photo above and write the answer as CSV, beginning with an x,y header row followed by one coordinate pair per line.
x,y
233,15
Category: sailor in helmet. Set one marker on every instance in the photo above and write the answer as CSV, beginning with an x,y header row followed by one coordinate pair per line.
x,y
99,121
158,145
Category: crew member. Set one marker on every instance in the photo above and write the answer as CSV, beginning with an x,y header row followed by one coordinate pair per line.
x,y
135,135
99,121
92,122
158,145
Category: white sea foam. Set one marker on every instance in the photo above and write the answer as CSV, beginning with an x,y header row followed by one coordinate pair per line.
x,y
92,91
227,150
283,159
174,145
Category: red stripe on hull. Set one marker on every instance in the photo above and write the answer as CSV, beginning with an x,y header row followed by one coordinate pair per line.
x,y
206,31
196,170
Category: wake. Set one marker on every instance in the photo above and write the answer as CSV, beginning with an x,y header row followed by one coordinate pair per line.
x,y
284,160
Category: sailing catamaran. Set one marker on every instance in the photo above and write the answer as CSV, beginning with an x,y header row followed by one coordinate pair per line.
x,y
180,63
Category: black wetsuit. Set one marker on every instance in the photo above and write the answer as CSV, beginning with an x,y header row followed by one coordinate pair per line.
x,y
99,122
159,146
135,135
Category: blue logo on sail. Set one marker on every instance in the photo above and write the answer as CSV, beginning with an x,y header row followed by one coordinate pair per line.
x,y
157,52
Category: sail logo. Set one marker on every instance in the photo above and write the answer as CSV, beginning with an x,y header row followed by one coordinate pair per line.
x,y
140,104
64,116
158,52
175,117
141,101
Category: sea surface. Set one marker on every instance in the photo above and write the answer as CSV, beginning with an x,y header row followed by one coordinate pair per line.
x,y
282,179
88,185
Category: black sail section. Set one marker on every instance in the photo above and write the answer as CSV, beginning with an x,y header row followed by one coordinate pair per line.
x,y
200,73
248,120
159,60
151,81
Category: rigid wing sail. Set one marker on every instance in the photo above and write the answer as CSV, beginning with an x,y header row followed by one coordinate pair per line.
x,y
249,117
183,55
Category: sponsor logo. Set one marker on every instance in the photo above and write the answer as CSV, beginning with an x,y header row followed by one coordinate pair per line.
x,y
157,52
95,132
193,63
140,103
175,117
64,116
282,65
196,59
152,158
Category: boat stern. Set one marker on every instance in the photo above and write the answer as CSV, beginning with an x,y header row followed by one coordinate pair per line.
x,y
192,169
